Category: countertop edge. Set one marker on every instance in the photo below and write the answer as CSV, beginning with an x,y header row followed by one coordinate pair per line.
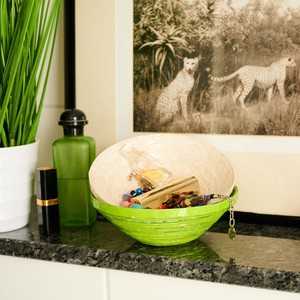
x,y
219,272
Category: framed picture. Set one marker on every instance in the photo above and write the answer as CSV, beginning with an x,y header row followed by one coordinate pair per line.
x,y
206,103
266,165
216,67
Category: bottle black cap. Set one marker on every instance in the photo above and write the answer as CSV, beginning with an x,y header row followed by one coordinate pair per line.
x,y
73,117
73,121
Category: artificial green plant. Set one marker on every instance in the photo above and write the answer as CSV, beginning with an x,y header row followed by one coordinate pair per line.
x,y
27,32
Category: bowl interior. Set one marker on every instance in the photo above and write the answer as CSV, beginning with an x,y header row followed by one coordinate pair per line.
x,y
180,155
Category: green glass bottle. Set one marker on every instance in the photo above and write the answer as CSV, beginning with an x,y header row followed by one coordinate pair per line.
x,y
73,155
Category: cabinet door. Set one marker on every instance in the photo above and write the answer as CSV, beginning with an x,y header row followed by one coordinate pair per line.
x,y
29,279
135,286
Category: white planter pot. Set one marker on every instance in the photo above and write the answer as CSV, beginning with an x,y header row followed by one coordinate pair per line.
x,y
17,170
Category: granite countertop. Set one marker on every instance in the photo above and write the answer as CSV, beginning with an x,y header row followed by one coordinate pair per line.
x,y
261,256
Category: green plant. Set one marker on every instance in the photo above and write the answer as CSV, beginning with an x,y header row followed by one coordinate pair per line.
x,y
27,34
164,44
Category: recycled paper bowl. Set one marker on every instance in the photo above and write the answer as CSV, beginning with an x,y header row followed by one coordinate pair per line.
x,y
164,227
182,156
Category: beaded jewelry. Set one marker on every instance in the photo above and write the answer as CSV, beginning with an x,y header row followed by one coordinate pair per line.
x,y
185,199
182,200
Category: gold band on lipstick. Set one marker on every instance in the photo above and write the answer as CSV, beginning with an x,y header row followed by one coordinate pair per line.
x,y
48,202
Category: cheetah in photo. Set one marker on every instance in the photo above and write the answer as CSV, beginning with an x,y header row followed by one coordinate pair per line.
x,y
262,77
175,95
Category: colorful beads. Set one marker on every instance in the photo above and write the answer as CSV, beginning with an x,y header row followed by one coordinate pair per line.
x,y
129,201
133,193
136,206
139,191
186,199
174,200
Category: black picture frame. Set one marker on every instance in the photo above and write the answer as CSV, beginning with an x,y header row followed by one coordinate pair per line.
x,y
70,54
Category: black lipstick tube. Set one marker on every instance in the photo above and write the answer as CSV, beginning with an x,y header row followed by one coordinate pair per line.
x,y
47,201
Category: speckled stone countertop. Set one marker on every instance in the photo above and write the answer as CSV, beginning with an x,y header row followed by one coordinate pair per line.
x,y
260,256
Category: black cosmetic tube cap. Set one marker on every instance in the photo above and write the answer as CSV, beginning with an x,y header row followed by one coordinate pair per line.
x,y
46,183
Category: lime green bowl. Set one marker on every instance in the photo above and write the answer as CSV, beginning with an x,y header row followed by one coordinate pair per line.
x,y
164,227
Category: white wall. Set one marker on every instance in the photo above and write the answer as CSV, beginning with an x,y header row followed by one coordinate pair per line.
x,y
95,50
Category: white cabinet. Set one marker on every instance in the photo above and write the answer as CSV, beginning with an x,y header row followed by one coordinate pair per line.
x,y
30,279
135,286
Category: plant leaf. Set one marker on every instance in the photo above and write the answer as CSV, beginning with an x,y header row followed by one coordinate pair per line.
x,y
27,31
